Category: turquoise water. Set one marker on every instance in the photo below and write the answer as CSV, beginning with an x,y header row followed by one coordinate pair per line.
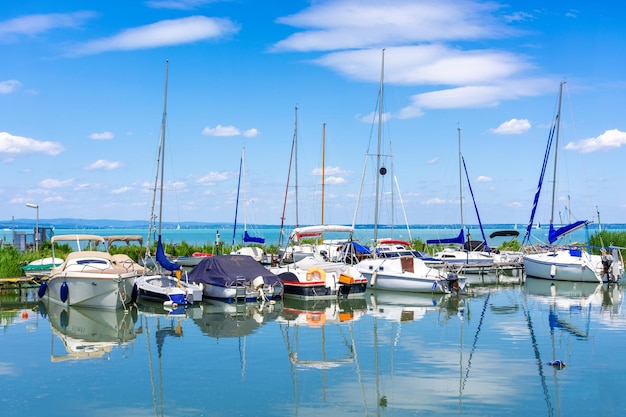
x,y
208,235
388,354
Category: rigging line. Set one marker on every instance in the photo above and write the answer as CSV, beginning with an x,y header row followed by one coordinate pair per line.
x,y
480,323
533,338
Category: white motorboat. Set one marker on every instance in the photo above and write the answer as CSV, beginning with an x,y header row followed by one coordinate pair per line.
x,y
41,267
89,278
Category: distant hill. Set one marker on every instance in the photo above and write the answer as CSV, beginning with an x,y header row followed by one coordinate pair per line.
x,y
94,223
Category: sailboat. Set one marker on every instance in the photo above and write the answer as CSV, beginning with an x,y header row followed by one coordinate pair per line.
x,y
254,251
320,270
562,263
164,284
404,273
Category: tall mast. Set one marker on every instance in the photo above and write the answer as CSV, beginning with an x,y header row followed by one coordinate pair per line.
x,y
323,167
460,180
556,151
293,150
380,127
163,147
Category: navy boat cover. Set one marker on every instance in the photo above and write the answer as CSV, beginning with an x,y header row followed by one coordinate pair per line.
x,y
223,270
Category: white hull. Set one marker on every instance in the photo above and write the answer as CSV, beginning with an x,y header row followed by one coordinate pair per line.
x,y
560,265
247,293
167,288
94,290
395,274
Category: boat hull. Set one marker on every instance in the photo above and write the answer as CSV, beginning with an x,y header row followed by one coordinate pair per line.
x,y
167,289
563,265
408,275
245,293
93,290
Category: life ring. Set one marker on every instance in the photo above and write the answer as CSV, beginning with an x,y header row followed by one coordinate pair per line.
x,y
316,274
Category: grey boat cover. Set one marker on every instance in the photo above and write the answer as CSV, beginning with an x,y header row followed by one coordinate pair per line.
x,y
223,270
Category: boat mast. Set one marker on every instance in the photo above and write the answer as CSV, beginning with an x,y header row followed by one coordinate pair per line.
x,y
237,201
323,166
460,180
160,155
293,151
380,127
556,151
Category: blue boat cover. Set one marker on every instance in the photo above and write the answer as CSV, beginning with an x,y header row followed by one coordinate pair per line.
x,y
162,259
555,234
460,239
360,248
223,270
252,239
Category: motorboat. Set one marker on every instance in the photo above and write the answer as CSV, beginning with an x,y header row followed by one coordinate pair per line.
x,y
41,268
89,277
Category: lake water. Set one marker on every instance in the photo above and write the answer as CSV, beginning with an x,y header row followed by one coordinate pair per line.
x,y
387,354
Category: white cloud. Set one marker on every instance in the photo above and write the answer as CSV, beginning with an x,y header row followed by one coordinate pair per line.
x,y
54,183
101,136
349,24
332,180
181,31
251,133
220,130
483,178
611,139
18,145
512,127
433,160
9,86
435,201
121,190
104,164
177,4
214,177
36,24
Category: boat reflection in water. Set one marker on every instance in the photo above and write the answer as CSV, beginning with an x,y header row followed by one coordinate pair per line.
x,y
220,319
88,333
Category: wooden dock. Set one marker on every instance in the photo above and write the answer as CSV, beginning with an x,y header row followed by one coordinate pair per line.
x,y
20,282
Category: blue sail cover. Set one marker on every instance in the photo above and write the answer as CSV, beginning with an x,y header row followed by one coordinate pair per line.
x,y
162,259
223,271
555,234
252,239
460,239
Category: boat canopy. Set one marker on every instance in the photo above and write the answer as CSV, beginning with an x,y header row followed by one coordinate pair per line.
x,y
251,239
555,234
124,238
316,230
504,233
460,239
162,259
224,270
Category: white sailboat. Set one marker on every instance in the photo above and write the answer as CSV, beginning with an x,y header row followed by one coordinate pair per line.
x,y
563,263
165,283
404,273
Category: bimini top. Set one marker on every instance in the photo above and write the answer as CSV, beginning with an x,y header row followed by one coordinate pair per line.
x,y
223,270
299,232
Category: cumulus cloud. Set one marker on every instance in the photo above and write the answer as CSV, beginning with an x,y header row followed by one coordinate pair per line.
x,y
483,178
214,177
333,180
121,190
164,33
101,136
37,24
435,201
19,145
512,127
55,183
221,131
104,164
611,139
9,86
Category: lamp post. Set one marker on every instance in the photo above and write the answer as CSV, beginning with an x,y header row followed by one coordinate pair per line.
x,y
35,206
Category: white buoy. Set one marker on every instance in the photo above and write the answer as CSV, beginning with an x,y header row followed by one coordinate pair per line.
x,y
553,271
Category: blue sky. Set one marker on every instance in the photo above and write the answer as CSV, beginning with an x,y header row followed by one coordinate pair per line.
x,y
81,104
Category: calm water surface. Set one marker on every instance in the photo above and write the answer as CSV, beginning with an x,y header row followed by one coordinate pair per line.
x,y
388,354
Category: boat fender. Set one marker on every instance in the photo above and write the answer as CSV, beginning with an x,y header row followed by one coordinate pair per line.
x,y
553,271
316,274
373,279
64,319
64,292
134,293
42,289
557,364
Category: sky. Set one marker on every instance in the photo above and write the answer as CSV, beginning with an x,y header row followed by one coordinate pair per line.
x,y
82,99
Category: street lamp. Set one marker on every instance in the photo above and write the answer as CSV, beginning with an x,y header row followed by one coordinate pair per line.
x,y
35,206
